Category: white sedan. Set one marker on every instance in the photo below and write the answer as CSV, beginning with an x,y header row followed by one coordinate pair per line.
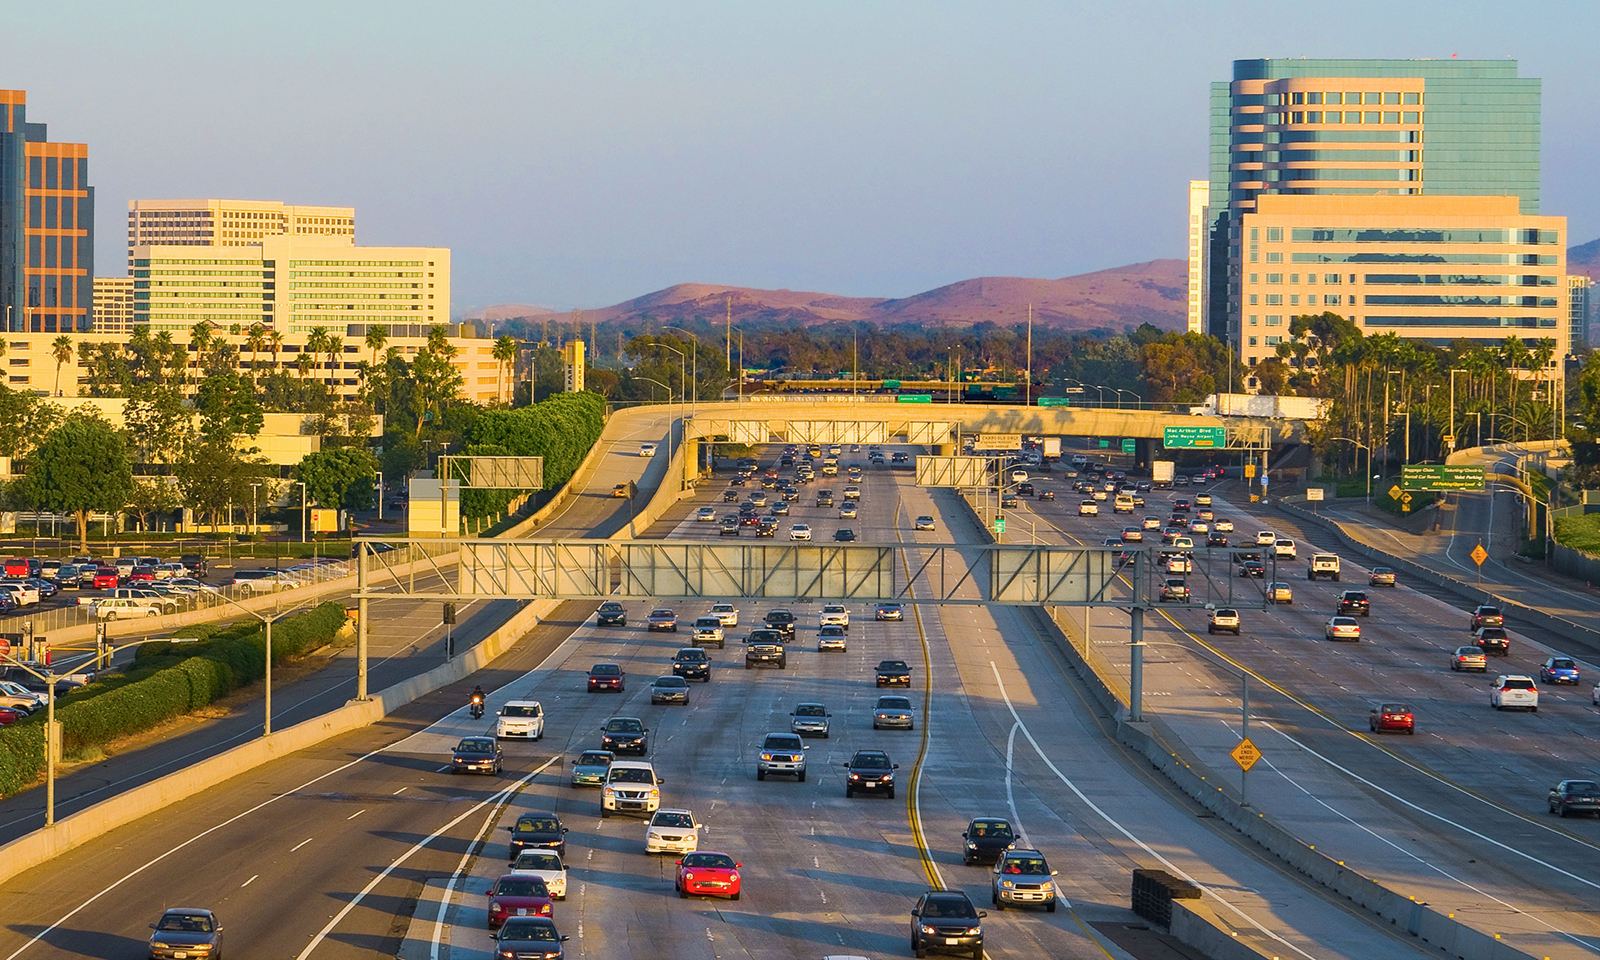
x,y
800,531
672,831
1224,525
547,866
1342,628
647,449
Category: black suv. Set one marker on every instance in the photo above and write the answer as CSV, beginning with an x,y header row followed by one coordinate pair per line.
x,y
824,498
691,663
765,648
894,673
946,921
538,831
625,734
782,621
1354,602
870,771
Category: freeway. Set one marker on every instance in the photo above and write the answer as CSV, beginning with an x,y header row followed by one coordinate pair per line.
x,y
406,638
1455,815
324,853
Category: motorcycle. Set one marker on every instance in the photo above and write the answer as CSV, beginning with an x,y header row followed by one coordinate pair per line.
x,y
477,707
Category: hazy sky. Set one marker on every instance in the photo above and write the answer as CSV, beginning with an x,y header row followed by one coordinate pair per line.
x,y
578,154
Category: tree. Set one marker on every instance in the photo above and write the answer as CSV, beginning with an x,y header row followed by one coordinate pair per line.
x,y
505,351
213,475
200,341
255,339
152,496
344,478
228,408
377,336
24,420
61,352
316,346
335,354
156,426
275,344
80,467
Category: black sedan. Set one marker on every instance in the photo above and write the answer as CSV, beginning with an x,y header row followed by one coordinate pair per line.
x,y
1575,796
476,755
987,838
611,614
538,831
894,673
625,734
844,535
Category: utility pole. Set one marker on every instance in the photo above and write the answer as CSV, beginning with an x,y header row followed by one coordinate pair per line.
x,y
1029,401
728,346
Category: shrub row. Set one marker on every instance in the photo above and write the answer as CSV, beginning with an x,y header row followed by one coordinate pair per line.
x,y
225,661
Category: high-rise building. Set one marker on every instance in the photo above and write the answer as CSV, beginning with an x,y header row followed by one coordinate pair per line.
x,y
46,226
1199,203
1579,290
113,304
572,353
232,223
1361,128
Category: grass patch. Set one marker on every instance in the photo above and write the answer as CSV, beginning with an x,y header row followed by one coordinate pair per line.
x,y
1579,533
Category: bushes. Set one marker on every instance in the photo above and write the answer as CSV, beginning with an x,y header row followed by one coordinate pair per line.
x,y
561,429
224,662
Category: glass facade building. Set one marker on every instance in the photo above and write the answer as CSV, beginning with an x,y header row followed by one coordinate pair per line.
x,y
46,226
1432,128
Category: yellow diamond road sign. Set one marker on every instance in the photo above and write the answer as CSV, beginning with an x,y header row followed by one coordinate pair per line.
x,y
1394,492
1479,554
1246,754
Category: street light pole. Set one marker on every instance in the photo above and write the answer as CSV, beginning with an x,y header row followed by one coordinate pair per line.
x,y
1369,462
303,510
255,513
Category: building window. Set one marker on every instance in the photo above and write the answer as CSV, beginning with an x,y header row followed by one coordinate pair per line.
x,y
1330,278
1411,116
1314,116
1274,319
1274,256
1255,233
1274,278
1274,299
1311,300
1255,320
1332,301
1274,341
1254,300
1294,278
1412,98
1252,343
1311,279
1294,299
1256,278
1274,234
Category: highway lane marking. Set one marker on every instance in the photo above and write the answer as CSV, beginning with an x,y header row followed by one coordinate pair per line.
x,y
356,814
466,855
1124,831
301,844
913,802
248,882
419,845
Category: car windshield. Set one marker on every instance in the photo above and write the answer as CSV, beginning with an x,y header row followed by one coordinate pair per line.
x,y
185,923
611,607
782,742
671,682
810,710
661,613
606,670
708,623
994,829
832,630
1468,652
1518,683
874,761
710,861
1026,866
519,710
893,665
538,825
476,745
624,725
894,703
690,653
521,887
594,758
949,907
1562,664
538,860
538,932
664,818
632,775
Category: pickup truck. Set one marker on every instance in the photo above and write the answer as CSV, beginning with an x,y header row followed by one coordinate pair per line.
x,y
1323,565
765,648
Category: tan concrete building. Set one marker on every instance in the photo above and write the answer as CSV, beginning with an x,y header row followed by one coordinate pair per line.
x,y
1199,217
232,223
1431,268
113,304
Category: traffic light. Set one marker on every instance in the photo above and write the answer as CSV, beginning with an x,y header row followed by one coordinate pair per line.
x,y
449,612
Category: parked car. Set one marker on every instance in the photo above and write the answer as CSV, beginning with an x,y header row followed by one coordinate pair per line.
x,y
1558,670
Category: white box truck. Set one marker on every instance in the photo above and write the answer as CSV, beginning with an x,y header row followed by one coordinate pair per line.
x,y
1052,446
1161,474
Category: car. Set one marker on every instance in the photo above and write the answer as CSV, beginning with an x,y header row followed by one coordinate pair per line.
x,y
631,787
1252,568
1391,715
832,637
765,647
782,753
810,720
623,490
852,492
538,831
1575,796
547,865
476,755
1097,495
662,619
523,719
779,509
1182,506
1469,658
800,531
611,614
946,921
848,511
1381,577
893,713
1341,628
1222,524
113,608
706,515
625,735
1514,691
590,769
529,937
691,663
1047,496
1202,500
706,631
888,611
1279,592
1223,619
669,689
844,535
1022,877
1216,540
647,449
923,522
16,697
1132,535
730,495
892,673
607,676
1493,640
834,615
186,932
1283,548
986,839
1266,538
1175,589
1088,508
824,498
1009,501
1353,602
781,620
1177,563
672,831
707,875
1150,523
1559,669
1199,526
1486,615
869,771
727,613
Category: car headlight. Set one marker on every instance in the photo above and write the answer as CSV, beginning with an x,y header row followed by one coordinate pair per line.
x,y
688,876
609,790
655,794
971,845
1008,884
494,906
1047,885
974,931
766,756
855,776
928,930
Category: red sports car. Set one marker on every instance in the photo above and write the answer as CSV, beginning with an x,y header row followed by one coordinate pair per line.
x,y
516,895
708,874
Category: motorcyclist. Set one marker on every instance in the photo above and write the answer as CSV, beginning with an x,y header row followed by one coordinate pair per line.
x,y
477,702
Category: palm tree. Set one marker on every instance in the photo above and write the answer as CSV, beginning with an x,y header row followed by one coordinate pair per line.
x,y
61,352
335,355
505,351
255,339
303,363
316,342
274,344
377,336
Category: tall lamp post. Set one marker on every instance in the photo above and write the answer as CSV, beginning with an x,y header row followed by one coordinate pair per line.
x,y
694,369
1369,462
303,510
255,513
683,382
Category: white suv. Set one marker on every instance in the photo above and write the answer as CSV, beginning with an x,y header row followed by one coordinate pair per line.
x,y
835,615
727,613
1283,548
1514,690
631,787
520,718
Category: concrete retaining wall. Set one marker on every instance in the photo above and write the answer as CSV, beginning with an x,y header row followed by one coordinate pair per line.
x,y
1197,925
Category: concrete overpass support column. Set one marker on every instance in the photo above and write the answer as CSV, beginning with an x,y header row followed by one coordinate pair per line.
x,y
1144,451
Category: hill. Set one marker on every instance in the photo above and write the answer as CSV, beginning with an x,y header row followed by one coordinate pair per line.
x,y
1584,259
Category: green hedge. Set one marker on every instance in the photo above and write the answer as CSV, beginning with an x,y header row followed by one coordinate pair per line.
x,y
224,662
561,429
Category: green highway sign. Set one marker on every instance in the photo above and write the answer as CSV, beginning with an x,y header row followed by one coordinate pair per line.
x,y
1130,445
1428,476
914,398
891,384
1194,437
1000,524
1054,402
1105,443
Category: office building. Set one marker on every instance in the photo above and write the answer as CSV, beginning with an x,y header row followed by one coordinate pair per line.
x,y
1199,204
572,357
1579,292
113,304
46,226
232,223
1433,128
1435,269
